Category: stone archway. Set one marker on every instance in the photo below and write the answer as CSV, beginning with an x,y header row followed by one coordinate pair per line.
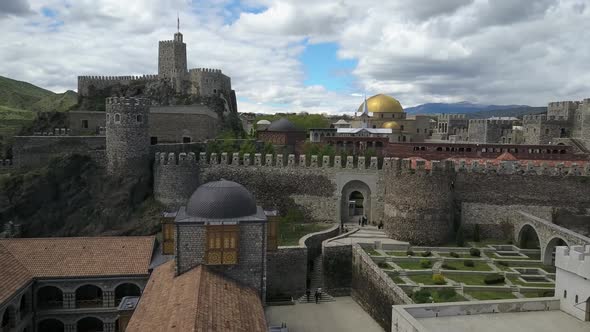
x,y
90,324
528,238
51,325
549,250
355,198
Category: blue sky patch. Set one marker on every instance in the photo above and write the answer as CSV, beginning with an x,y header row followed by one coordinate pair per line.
x,y
323,67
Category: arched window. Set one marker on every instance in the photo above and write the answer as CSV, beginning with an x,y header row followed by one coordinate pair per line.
x,y
88,296
126,289
117,118
49,297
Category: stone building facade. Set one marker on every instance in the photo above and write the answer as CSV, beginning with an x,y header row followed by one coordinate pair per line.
x,y
488,130
566,122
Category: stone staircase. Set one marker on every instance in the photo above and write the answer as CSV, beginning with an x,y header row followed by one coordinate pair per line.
x,y
317,282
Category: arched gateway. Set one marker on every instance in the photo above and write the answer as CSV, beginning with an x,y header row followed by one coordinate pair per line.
x,y
355,202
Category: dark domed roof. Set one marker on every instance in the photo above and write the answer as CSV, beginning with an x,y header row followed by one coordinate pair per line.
x,y
221,200
282,124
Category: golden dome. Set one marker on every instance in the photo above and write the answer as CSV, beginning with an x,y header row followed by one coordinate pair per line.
x,y
382,104
391,125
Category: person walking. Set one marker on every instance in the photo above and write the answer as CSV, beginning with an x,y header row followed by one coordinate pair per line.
x,y
317,296
308,294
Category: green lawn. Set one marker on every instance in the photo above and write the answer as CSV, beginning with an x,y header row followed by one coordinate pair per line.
x,y
461,255
517,281
373,252
425,279
510,257
469,279
397,279
397,253
537,294
436,296
411,265
290,233
459,265
491,295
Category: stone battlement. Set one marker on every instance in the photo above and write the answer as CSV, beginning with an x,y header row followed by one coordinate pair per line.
x,y
117,78
395,165
491,121
171,159
54,132
574,259
128,101
205,70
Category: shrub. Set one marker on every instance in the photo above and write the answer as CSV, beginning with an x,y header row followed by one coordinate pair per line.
x,y
426,263
383,265
409,252
438,279
445,266
427,253
503,263
460,237
422,296
492,279
475,252
547,293
476,233
454,254
469,263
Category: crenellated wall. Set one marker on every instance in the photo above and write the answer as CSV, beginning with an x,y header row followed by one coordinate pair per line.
x,y
175,177
417,201
88,83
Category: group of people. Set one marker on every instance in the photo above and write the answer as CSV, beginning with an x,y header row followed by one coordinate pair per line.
x,y
363,221
318,295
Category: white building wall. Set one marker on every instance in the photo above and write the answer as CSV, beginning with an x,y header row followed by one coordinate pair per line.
x,y
572,282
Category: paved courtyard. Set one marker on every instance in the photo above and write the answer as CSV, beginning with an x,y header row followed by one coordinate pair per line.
x,y
538,321
342,315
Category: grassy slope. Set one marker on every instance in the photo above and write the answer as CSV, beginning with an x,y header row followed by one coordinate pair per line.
x,y
20,101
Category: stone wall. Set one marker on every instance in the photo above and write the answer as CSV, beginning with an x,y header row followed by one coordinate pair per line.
x,y
34,151
373,289
286,272
172,124
337,269
94,120
492,219
275,188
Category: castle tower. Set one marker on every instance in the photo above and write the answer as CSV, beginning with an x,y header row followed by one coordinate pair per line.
x,y
175,179
128,140
172,57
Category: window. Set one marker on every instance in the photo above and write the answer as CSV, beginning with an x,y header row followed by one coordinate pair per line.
x,y
186,139
138,118
168,238
401,127
222,244
565,294
117,118
108,118
418,130
85,124
576,301
153,140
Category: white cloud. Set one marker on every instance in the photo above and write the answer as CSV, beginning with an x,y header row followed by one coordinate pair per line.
x,y
491,51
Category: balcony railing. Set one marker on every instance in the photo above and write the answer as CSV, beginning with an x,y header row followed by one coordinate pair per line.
x,y
51,305
93,303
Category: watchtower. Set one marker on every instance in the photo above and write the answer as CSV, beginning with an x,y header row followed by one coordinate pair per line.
x,y
127,137
172,57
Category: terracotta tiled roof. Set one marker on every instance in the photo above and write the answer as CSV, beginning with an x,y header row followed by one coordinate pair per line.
x,y
13,275
82,256
507,156
197,300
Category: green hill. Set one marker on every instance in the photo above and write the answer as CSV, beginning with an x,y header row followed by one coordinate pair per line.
x,y
21,101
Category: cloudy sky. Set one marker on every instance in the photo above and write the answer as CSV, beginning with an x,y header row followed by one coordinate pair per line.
x,y
315,55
